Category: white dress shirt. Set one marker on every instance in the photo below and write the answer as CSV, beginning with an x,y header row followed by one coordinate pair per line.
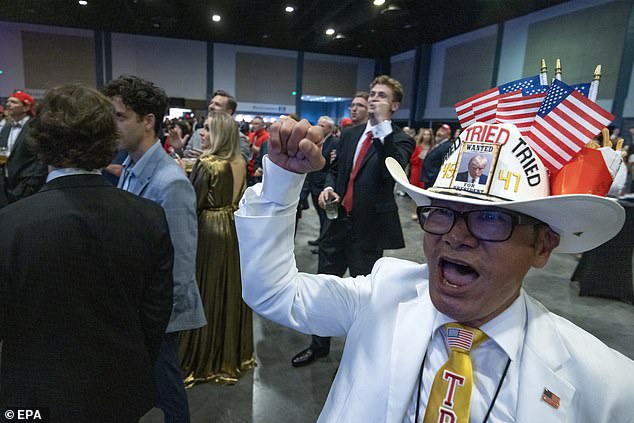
x,y
489,361
16,128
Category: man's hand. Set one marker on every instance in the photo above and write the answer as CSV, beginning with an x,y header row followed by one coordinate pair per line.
x,y
194,153
379,111
176,139
326,196
296,146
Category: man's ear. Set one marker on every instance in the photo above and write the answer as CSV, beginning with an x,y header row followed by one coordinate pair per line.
x,y
148,121
546,241
395,106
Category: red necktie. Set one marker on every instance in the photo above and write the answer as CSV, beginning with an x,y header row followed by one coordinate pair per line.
x,y
347,198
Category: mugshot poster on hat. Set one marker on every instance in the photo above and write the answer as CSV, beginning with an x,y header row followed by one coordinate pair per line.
x,y
478,154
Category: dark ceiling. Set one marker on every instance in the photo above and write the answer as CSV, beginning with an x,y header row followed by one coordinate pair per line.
x,y
362,29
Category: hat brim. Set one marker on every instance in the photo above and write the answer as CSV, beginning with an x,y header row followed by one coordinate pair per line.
x,y
582,221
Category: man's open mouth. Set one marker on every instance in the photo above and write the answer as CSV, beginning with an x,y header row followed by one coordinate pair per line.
x,y
457,273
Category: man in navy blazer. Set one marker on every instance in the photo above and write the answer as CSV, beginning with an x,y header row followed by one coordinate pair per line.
x,y
368,220
85,276
150,173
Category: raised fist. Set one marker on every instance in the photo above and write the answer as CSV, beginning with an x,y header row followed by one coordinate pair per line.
x,y
296,146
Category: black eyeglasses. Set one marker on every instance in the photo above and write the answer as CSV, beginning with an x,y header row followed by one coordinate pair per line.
x,y
493,225
365,106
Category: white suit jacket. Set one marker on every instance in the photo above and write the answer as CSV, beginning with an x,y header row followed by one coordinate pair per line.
x,y
387,318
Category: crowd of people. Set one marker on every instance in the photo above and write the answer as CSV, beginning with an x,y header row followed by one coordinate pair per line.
x,y
123,270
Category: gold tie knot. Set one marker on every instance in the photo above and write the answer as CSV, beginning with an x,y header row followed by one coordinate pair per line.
x,y
464,338
450,396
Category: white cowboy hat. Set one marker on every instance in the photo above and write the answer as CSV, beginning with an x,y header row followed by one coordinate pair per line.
x,y
517,180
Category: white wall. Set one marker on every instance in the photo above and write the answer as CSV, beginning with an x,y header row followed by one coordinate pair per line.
x,y
433,110
511,57
178,66
11,58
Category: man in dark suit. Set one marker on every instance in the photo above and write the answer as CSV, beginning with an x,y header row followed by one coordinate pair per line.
x,y
23,174
436,156
358,180
315,180
474,173
85,275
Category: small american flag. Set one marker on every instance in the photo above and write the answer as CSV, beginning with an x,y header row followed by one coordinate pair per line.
x,y
584,88
565,122
550,398
464,109
459,338
481,107
520,111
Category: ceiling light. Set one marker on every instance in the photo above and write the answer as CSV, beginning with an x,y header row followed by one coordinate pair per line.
x,y
330,31
83,2
392,9
216,18
378,2
289,9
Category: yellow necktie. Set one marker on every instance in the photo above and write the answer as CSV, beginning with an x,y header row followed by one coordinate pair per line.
x,y
450,394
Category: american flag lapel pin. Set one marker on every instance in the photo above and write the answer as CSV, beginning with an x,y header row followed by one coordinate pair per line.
x,y
550,398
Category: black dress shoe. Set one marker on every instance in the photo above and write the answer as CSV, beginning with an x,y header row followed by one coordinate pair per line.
x,y
314,242
307,356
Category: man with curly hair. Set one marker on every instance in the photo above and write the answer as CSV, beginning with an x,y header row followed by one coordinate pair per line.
x,y
85,294
149,172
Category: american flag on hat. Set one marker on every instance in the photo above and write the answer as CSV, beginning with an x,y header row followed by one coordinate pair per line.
x,y
565,122
482,107
521,110
584,89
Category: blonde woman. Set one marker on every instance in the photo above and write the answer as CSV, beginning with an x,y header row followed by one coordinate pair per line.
x,y
220,351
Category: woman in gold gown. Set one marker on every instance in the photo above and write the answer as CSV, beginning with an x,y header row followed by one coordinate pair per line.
x,y
220,351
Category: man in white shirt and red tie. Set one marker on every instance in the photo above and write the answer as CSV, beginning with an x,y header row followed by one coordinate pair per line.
x,y
358,181
456,339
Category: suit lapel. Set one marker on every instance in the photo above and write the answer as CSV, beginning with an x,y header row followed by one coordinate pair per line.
x,y
143,177
351,147
19,140
414,317
539,369
372,151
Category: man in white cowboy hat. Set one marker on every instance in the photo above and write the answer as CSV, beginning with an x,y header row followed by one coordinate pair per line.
x,y
508,358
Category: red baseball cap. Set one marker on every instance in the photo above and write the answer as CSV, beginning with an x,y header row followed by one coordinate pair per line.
x,y
25,98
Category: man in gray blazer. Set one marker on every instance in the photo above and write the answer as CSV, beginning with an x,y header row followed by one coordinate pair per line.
x,y
149,172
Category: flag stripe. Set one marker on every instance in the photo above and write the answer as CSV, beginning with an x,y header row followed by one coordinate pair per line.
x,y
563,150
549,161
579,98
555,134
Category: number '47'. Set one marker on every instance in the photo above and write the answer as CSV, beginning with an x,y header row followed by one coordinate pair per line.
x,y
507,176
